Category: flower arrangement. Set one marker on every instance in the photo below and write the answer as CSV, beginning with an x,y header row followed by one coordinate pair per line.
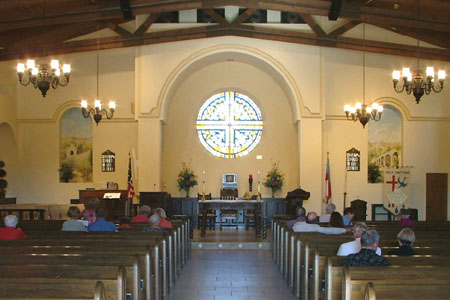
x,y
186,178
274,179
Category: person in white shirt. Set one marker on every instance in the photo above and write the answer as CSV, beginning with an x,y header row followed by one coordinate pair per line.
x,y
331,208
309,226
354,246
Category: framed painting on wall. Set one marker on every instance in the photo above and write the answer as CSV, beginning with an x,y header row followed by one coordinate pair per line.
x,y
75,147
385,144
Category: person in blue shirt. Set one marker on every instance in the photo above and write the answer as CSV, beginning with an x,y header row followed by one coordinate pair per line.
x,y
349,213
100,223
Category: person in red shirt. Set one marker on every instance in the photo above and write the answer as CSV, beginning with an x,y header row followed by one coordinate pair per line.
x,y
144,213
162,218
9,232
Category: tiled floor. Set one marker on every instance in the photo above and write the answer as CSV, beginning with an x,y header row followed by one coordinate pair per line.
x,y
230,275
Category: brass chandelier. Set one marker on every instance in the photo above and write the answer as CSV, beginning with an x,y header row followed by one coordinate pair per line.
x,y
44,75
362,112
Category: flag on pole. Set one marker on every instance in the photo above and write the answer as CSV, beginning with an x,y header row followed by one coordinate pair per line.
x,y
328,182
130,189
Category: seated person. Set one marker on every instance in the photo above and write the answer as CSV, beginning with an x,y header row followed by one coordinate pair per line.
x,y
336,220
74,224
329,210
9,232
354,246
125,223
405,221
406,239
100,223
154,224
348,216
367,257
301,214
89,213
310,226
144,213
162,218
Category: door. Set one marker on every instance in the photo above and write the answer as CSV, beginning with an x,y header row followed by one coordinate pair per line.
x,y
437,196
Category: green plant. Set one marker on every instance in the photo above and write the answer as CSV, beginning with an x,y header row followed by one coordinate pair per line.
x,y
373,173
274,179
3,182
186,178
66,172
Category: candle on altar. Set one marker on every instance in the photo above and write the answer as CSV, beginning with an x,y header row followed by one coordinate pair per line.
x,y
259,176
203,175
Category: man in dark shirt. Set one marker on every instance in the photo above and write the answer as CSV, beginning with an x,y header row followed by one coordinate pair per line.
x,y
367,256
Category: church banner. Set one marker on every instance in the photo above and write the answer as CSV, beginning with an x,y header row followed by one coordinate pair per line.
x,y
397,189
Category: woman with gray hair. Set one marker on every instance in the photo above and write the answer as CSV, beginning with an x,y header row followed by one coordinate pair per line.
x,y
144,213
154,224
406,239
9,232
163,218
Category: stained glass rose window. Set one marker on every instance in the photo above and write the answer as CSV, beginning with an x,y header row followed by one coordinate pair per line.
x,y
229,125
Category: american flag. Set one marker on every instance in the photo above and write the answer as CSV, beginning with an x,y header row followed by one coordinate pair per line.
x,y
328,182
130,189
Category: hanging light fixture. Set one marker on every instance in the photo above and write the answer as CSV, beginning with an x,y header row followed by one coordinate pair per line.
x,y
43,75
415,82
361,112
97,111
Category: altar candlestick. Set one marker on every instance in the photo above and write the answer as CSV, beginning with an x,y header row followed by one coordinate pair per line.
x,y
203,175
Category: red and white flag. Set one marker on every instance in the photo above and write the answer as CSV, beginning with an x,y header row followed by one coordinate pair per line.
x,y
328,183
130,189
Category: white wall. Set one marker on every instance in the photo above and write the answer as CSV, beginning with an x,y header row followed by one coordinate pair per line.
x,y
39,126
301,90
181,143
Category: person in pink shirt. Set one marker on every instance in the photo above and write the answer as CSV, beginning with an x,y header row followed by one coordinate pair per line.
x,y
144,214
405,221
9,232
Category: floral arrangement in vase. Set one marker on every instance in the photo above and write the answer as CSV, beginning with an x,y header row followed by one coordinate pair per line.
x,y
274,179
186,179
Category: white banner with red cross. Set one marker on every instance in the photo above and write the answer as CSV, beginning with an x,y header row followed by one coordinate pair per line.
x,y
396,190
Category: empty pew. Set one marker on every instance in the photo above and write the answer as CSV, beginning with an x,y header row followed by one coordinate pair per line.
x,y
412,282
12,287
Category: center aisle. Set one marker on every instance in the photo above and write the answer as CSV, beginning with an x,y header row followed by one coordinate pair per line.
x,y
230,274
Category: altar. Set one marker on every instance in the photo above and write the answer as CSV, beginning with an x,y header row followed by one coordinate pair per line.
x,y
253,205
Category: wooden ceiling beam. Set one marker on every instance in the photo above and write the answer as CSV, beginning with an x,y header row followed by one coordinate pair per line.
x,y
244,16
314,26
242,30
115,27
111,10
343,29
147,23
216,17
432,37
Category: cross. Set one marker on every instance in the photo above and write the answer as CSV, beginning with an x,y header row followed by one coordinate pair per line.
x,y
393,182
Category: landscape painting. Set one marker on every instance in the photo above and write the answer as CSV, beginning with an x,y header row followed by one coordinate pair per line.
x,y
385,144
76,147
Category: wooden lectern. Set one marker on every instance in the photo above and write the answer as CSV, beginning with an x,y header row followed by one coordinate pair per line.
x,y
115,208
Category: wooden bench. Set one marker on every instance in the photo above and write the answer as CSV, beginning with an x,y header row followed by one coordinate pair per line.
x,y
23,283
412,282
293,254
335,270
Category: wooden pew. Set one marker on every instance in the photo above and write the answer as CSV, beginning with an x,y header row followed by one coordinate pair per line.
x,y
298,267
24,283
412,282
335,270
104,252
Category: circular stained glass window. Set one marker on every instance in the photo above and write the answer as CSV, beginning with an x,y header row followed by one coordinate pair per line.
x,y
229,125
